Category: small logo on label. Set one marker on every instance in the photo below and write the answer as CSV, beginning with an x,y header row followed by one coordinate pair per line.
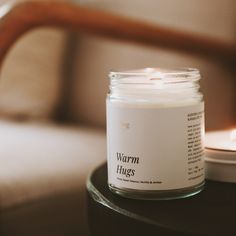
x,y
126,125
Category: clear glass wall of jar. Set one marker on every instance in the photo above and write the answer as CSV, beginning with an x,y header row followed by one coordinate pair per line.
x,y
155,133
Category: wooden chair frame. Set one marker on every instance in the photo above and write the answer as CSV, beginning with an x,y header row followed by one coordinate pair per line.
x,y
29,15
21,18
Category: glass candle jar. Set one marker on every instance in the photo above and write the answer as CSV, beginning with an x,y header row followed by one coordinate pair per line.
x,y
155,133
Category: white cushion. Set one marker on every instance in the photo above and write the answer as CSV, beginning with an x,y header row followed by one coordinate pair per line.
x,y
41,160
33,68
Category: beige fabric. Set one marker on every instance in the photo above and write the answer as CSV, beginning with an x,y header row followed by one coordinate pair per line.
x,y
31,75
39,160
96,57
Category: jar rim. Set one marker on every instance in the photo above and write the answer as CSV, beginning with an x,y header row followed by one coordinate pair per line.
x,y
164,74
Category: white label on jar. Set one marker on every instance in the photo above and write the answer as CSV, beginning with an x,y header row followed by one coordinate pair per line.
x,y
155,148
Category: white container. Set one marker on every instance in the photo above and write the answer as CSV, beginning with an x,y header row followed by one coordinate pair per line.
x,y
220,158
155,131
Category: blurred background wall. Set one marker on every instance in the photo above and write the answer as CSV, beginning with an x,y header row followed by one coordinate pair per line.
x,y
96,57
41,64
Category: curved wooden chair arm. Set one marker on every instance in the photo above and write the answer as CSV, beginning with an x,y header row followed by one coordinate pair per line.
x,y
27,16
